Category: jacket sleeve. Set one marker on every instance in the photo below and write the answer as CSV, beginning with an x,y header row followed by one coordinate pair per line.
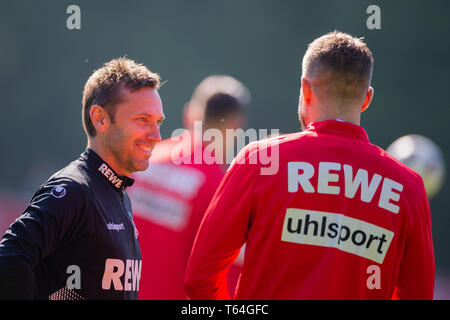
x,y
221,234
48,222
417,270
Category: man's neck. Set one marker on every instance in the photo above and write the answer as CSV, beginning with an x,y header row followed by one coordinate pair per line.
x,y
106,156
331,113
354,120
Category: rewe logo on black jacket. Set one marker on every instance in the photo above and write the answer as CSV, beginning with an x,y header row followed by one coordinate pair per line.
x,y
109,174
122,275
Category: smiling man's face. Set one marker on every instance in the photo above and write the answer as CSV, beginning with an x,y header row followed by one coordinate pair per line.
x,y
134,133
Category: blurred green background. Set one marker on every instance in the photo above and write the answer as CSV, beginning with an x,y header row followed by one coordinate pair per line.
x,y
44,66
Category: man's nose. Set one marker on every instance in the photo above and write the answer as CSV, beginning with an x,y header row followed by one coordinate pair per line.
x,y
154,134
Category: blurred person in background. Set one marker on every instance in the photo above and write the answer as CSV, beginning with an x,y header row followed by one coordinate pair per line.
x,y
171,197
342,219
76,239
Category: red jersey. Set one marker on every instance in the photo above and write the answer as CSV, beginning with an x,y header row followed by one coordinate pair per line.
x,y
169,200
341,219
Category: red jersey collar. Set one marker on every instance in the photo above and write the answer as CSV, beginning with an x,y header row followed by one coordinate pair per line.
x,y
338,128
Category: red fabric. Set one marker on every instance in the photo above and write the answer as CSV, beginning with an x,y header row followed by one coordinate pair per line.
x,y
169,201
252,208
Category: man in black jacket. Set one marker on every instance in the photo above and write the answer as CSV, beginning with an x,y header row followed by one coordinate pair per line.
x,y
77,238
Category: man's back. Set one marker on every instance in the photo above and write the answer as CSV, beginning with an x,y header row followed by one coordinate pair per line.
x,y
337,208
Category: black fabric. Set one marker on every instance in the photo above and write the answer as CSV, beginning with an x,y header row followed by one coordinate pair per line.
x,y
78,225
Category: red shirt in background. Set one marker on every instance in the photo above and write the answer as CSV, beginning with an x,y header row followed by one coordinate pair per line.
x,y
169,201
338,210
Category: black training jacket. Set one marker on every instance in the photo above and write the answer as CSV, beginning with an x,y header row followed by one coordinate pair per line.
x,y
75,240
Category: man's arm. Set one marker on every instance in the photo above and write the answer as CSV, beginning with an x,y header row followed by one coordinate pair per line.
x,y
46,223
222,233
416,278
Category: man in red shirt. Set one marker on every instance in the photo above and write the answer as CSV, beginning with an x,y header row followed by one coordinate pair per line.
x,y
341,218
171,197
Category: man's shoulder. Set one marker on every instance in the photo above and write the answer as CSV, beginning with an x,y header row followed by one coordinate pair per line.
x,y
278,141
71,178
397,168
75,172
268,147
63,196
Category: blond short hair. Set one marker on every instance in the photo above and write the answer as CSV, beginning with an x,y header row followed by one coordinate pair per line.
x,y
341,63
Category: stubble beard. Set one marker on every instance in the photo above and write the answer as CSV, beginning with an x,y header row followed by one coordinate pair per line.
x,y
118,145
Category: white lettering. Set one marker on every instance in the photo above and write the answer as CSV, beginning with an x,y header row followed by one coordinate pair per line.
x,y
74,280
387,194
74,20
213,152
198,131
181,152
273,160
113,276
294,178
102,168
361,179
113,178
374,281
116,268
390,191
198,310
136,268
128,275
222,148
325,177
240,137
114,226
374,20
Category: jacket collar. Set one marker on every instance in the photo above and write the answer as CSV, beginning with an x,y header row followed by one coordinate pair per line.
x,y
338,128
95,162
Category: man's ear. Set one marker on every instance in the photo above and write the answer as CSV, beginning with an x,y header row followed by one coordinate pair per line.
x,y
99,118
306,91
367,99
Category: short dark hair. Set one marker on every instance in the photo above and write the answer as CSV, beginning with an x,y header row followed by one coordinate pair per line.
x,y
104,87
220,106
341,62
218,84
